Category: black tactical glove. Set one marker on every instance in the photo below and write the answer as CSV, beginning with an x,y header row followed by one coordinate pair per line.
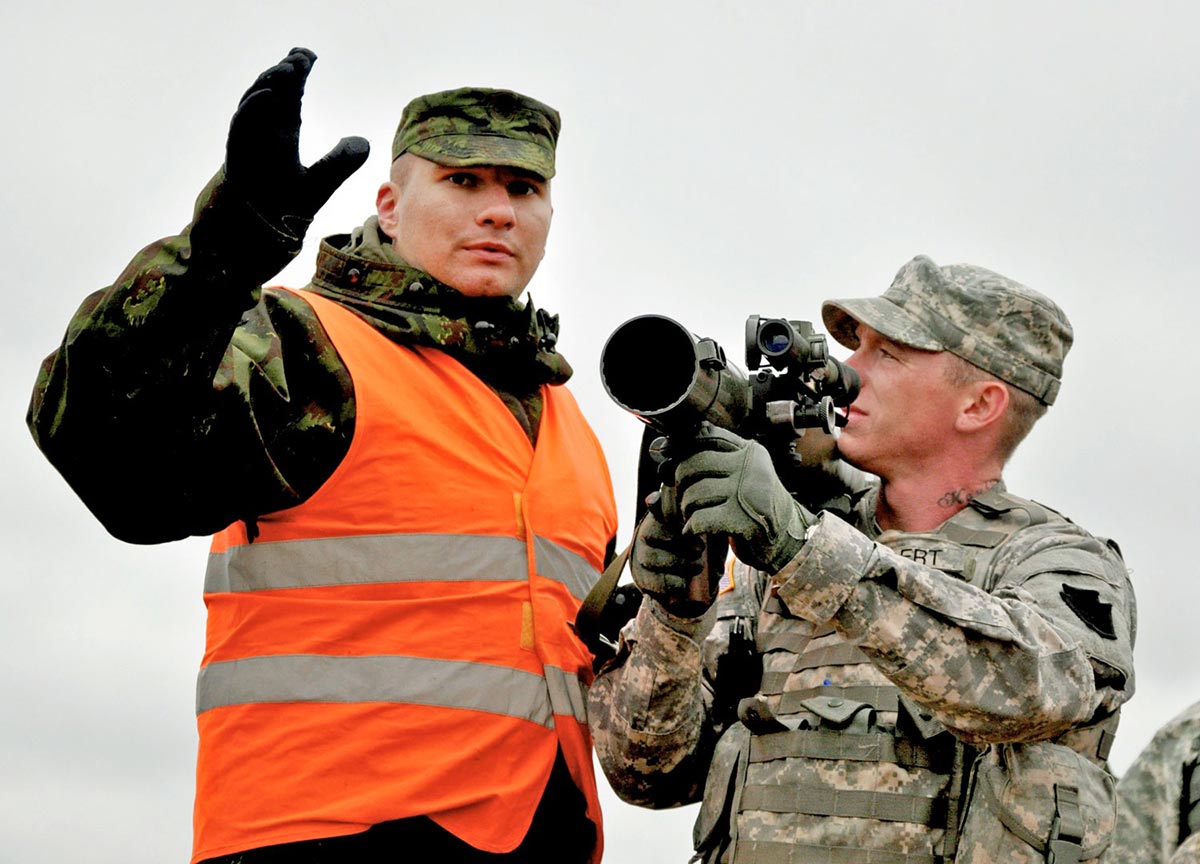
x,y
262,154
665,563
729,486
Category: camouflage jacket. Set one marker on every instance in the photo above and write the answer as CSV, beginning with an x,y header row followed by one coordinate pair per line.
x,y
867,632
185,396
1158,799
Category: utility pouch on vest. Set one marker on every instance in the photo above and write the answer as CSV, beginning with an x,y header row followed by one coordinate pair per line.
x,y
712,833
834,712
1037,802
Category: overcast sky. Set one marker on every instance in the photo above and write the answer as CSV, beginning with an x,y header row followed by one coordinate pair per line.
x,y
717,160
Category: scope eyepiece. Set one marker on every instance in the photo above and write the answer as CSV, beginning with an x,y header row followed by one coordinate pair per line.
x,y
841,382
775,337
783,342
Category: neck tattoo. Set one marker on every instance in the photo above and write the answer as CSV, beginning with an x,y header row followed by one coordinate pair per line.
x,y
963,496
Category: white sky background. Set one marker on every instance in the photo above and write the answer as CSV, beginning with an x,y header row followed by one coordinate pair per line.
x,y
716,161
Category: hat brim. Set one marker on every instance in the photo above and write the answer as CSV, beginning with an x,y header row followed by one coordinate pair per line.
x,y
474,150
842,318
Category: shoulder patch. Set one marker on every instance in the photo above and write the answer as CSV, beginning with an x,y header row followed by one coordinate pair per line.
x,y
1090,609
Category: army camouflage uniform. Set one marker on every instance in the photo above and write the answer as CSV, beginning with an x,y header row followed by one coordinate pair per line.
x,y
1158,798
924,697
233,401
272,425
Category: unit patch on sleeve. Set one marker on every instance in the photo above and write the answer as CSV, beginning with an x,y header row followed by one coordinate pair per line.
x,y
1092,611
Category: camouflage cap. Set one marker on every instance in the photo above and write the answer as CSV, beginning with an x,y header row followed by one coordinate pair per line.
x,y
479,126
992,322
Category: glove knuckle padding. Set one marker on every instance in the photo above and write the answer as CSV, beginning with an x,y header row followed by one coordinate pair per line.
x,y
698,496
656,559
663,562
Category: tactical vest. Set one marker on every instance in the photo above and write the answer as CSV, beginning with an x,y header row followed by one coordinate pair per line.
x,y
398,644
829,751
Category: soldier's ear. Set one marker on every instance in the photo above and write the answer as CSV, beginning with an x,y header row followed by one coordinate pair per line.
x,y
387,207
984,405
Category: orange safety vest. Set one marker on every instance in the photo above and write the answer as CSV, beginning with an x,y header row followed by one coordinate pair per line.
x,y
398,645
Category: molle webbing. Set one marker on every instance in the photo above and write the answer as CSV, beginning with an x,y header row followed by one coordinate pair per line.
x,y
839,654
792,643
1093,741
815,800
881,698
971,536
765,852
784,640
826,744
993,504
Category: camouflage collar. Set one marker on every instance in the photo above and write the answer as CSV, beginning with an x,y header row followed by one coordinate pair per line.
x,y
516,340
867,503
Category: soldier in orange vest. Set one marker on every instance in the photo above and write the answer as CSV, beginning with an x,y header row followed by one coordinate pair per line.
x,y
407,504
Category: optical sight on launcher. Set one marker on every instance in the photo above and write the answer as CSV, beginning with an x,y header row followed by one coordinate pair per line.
x,y
793,383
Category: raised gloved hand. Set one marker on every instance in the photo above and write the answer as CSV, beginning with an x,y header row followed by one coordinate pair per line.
x,y
262,154
729,486
665,564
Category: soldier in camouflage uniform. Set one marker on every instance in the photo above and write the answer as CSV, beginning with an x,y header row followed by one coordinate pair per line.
x,y
186,397
936,677
1158,799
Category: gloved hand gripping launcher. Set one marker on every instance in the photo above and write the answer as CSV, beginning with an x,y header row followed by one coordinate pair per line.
x,y
673,380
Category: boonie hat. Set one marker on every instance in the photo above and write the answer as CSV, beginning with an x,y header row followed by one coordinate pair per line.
x,y
479,126
992,322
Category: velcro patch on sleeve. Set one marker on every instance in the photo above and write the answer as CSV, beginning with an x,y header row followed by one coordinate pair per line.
x,y
1092,611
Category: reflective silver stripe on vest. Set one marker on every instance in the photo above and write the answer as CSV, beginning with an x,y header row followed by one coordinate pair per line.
x,y
377,678
378,558
568,695
561,564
